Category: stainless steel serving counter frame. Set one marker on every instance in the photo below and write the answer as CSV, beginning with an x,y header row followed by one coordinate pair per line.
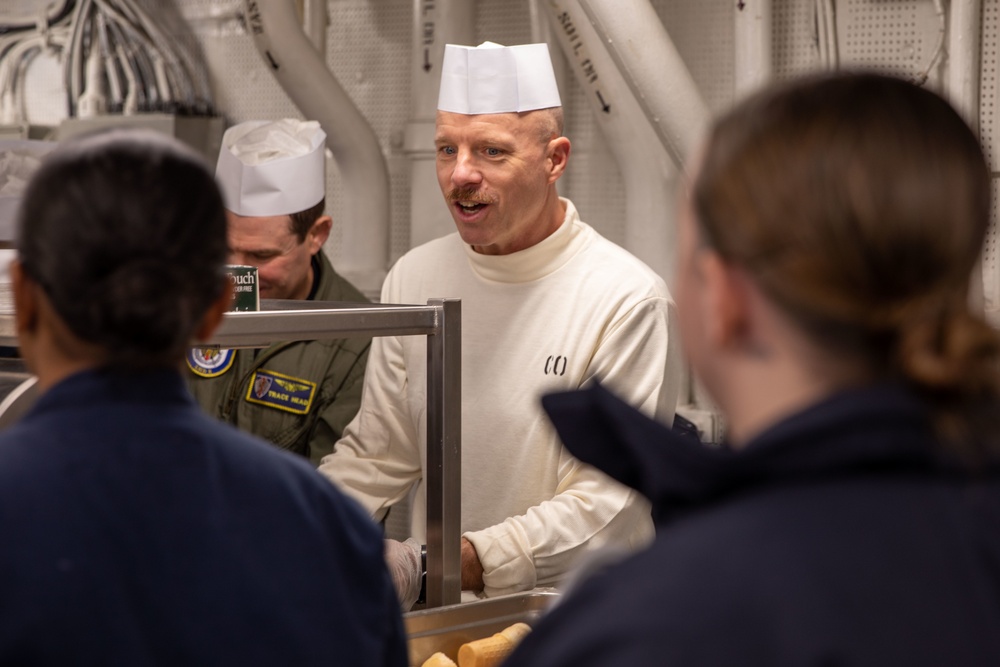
x,y
441,321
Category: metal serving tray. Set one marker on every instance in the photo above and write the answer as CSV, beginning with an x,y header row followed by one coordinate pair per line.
x,y
447,628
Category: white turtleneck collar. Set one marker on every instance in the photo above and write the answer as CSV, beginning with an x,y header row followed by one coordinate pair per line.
x,y
540,259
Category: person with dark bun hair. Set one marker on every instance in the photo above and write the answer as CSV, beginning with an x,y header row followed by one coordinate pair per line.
x,y
138,530
827,246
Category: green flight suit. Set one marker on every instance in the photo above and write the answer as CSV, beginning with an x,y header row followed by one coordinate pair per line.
x,y
298,395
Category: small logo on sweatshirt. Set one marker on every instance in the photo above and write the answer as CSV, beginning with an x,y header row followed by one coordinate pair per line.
x,y
555,365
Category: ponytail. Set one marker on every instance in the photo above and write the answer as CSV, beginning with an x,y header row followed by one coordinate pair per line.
x,y
951,357
860,203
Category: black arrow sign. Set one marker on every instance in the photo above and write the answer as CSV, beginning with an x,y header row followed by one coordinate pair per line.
x,y
604,105
270,59
427,60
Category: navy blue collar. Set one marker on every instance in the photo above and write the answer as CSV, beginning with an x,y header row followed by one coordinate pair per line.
x,y
878,428
156,386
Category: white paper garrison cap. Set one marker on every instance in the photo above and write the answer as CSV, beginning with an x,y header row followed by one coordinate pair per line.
x,y
491,78
270,168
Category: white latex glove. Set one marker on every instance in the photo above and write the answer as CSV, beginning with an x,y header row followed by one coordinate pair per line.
x,y
403,561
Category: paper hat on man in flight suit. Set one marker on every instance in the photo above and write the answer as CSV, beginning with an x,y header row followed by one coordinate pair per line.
x,y
269,168
491,78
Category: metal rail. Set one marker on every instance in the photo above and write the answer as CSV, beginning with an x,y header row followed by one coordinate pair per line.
x,y
441,321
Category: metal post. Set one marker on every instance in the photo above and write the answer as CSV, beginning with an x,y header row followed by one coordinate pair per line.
x,y
444,456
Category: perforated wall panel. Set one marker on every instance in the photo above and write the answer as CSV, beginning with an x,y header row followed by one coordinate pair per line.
x,y
897,37
794,38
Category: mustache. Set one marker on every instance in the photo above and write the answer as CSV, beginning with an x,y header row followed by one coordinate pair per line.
x,y
471,194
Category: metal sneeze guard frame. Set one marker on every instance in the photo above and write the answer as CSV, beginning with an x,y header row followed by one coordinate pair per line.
x,y
441,321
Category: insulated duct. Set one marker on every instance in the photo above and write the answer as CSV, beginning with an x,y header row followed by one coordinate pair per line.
x,y
314,22
964,46
633,35
435,23
645,103
302,72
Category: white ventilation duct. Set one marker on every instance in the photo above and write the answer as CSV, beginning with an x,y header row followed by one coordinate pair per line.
x,y
964,47
302,72
645,103
435,23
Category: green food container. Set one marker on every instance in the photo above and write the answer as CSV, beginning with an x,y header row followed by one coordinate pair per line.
x,y
246,289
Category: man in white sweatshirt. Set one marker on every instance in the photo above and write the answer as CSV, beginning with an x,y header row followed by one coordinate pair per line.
x,y
547,305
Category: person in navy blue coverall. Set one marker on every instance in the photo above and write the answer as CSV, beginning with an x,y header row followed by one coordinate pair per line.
x,y
827,243
137,530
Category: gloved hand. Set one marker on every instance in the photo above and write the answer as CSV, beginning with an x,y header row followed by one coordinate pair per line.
x,y
403,561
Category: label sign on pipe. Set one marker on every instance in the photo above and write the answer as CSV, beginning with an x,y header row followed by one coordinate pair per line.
x,y
428,14
582,57
256,24
253,18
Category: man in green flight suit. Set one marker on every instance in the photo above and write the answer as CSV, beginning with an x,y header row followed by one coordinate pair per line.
x,y
299,395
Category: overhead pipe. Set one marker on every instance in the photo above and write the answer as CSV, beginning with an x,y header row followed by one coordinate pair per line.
x,y
314,22
633,35
435,23
302,72
964,47
645,103
752,40
542,31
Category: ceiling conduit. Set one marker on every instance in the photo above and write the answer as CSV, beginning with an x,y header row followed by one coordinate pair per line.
x,y
302,72
435,23
646,104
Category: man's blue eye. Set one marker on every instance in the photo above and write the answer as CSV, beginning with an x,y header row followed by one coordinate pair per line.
x,y
493,152
447,150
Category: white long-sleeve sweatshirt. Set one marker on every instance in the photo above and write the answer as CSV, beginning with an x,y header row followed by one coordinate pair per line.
x,y
549,318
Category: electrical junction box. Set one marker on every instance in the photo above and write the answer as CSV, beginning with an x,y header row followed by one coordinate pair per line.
x,y
202,133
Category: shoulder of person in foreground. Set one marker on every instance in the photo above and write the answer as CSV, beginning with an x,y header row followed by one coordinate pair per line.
x,y
353,543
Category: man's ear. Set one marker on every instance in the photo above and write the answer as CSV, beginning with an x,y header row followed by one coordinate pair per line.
x,y
319,233
25,299
558,156
212,318
727,297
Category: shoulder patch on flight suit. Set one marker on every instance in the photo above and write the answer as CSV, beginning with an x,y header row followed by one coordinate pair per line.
x,y
281,392
209,363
